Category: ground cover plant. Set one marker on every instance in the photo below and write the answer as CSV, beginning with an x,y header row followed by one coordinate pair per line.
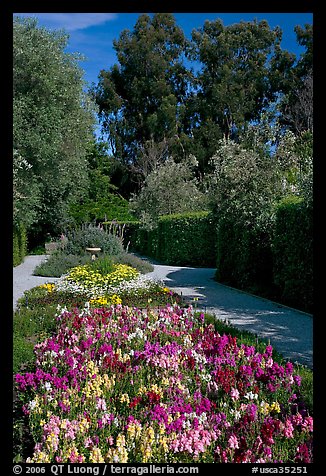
x,y
120,384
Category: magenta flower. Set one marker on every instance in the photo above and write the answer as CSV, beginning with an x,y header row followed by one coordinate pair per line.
x,y
233,442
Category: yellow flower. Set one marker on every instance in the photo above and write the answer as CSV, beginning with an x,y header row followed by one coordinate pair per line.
x,y
275,406
124,398
156,389
264,408
164,442
48,286
121,441
142,390
96,456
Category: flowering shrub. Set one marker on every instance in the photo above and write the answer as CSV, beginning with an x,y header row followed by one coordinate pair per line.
x,y
49,287
124,282
86,276
123,385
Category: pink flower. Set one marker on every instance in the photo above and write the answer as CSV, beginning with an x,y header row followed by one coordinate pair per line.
x,y
308,423
288,429
234,394
233,442
101,405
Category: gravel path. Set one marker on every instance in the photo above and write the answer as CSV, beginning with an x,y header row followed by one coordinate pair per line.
x,y
23,278
290,331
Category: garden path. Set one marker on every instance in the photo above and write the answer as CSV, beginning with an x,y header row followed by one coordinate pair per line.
x,y
23,278
290,331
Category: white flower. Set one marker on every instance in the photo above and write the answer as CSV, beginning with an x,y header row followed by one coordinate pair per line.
x,y
32,404
47,386
251,396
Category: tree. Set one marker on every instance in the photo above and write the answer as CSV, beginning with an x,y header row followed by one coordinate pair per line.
x,y
141,99
170,188
243,184
297,105
53,124
294,156
103,201
243,70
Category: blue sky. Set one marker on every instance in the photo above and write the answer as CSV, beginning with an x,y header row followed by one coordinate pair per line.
x,y
92,34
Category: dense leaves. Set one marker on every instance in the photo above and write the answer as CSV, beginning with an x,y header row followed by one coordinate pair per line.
x,y
170,188
53,120
141,98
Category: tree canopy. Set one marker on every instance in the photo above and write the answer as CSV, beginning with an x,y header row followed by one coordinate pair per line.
x,y
141,98
53,125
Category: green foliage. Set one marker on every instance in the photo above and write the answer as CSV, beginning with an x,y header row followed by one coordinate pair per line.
x,y
293,252
243,184
53,120
19,244
237,80
140,99
107,207
244,257
37,250
60,263
294,156
103,201
187,239
180,239
134,261
171,188
90,236
103,265
30,326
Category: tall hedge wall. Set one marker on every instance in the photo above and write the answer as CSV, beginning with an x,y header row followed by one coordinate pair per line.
x,y
19,244
293,252
244,257
181,239
186,239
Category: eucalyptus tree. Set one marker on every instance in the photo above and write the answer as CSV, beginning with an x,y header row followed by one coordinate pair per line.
x,y
141,99
243,71
297,106
53,121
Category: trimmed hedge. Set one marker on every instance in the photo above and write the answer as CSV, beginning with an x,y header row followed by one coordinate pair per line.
x,y
244,256
19,244
277,264
186,239
293,252
180,239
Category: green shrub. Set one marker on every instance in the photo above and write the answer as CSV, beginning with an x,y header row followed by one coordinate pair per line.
x,y
132,260
31,324
19,244
103,265
293,252
187,239
38,250
60,263
89,236
111,207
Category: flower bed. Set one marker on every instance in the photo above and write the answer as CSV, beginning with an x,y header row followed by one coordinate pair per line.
x,y
122,385
112,288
